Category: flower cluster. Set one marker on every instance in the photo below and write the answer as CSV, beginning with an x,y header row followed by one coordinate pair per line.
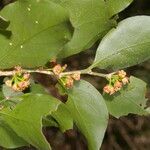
x,y
67,80
58,69
116,82
20,80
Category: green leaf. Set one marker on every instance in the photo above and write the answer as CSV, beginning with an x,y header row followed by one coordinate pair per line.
x,y
63,117
9,92
9,139
115,6
91,20
26,118
60,118
125,46
49,121
1,95
3,23
89,112
37,88
10,97
129,100
39,31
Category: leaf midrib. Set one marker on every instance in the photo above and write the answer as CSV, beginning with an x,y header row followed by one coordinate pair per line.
x,y
11,116
80,116
27,40
118,51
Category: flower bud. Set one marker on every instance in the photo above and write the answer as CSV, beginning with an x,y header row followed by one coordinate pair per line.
x,y
125,80
57,69
69,82
18,70
109,89
26,76
112,90
117,86
64,67
15,87
122,74
106,89
23,85
76,76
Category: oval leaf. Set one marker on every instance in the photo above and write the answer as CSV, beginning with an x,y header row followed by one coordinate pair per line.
x,y
89,112
91,20
39,31
125,46
26,118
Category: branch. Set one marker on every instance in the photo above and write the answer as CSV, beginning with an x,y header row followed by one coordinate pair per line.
x,y
47,72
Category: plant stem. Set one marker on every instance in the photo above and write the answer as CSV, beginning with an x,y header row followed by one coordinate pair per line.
x,y
47,72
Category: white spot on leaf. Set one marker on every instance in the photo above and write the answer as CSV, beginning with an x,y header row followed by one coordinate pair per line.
x,y
29,9
36,22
